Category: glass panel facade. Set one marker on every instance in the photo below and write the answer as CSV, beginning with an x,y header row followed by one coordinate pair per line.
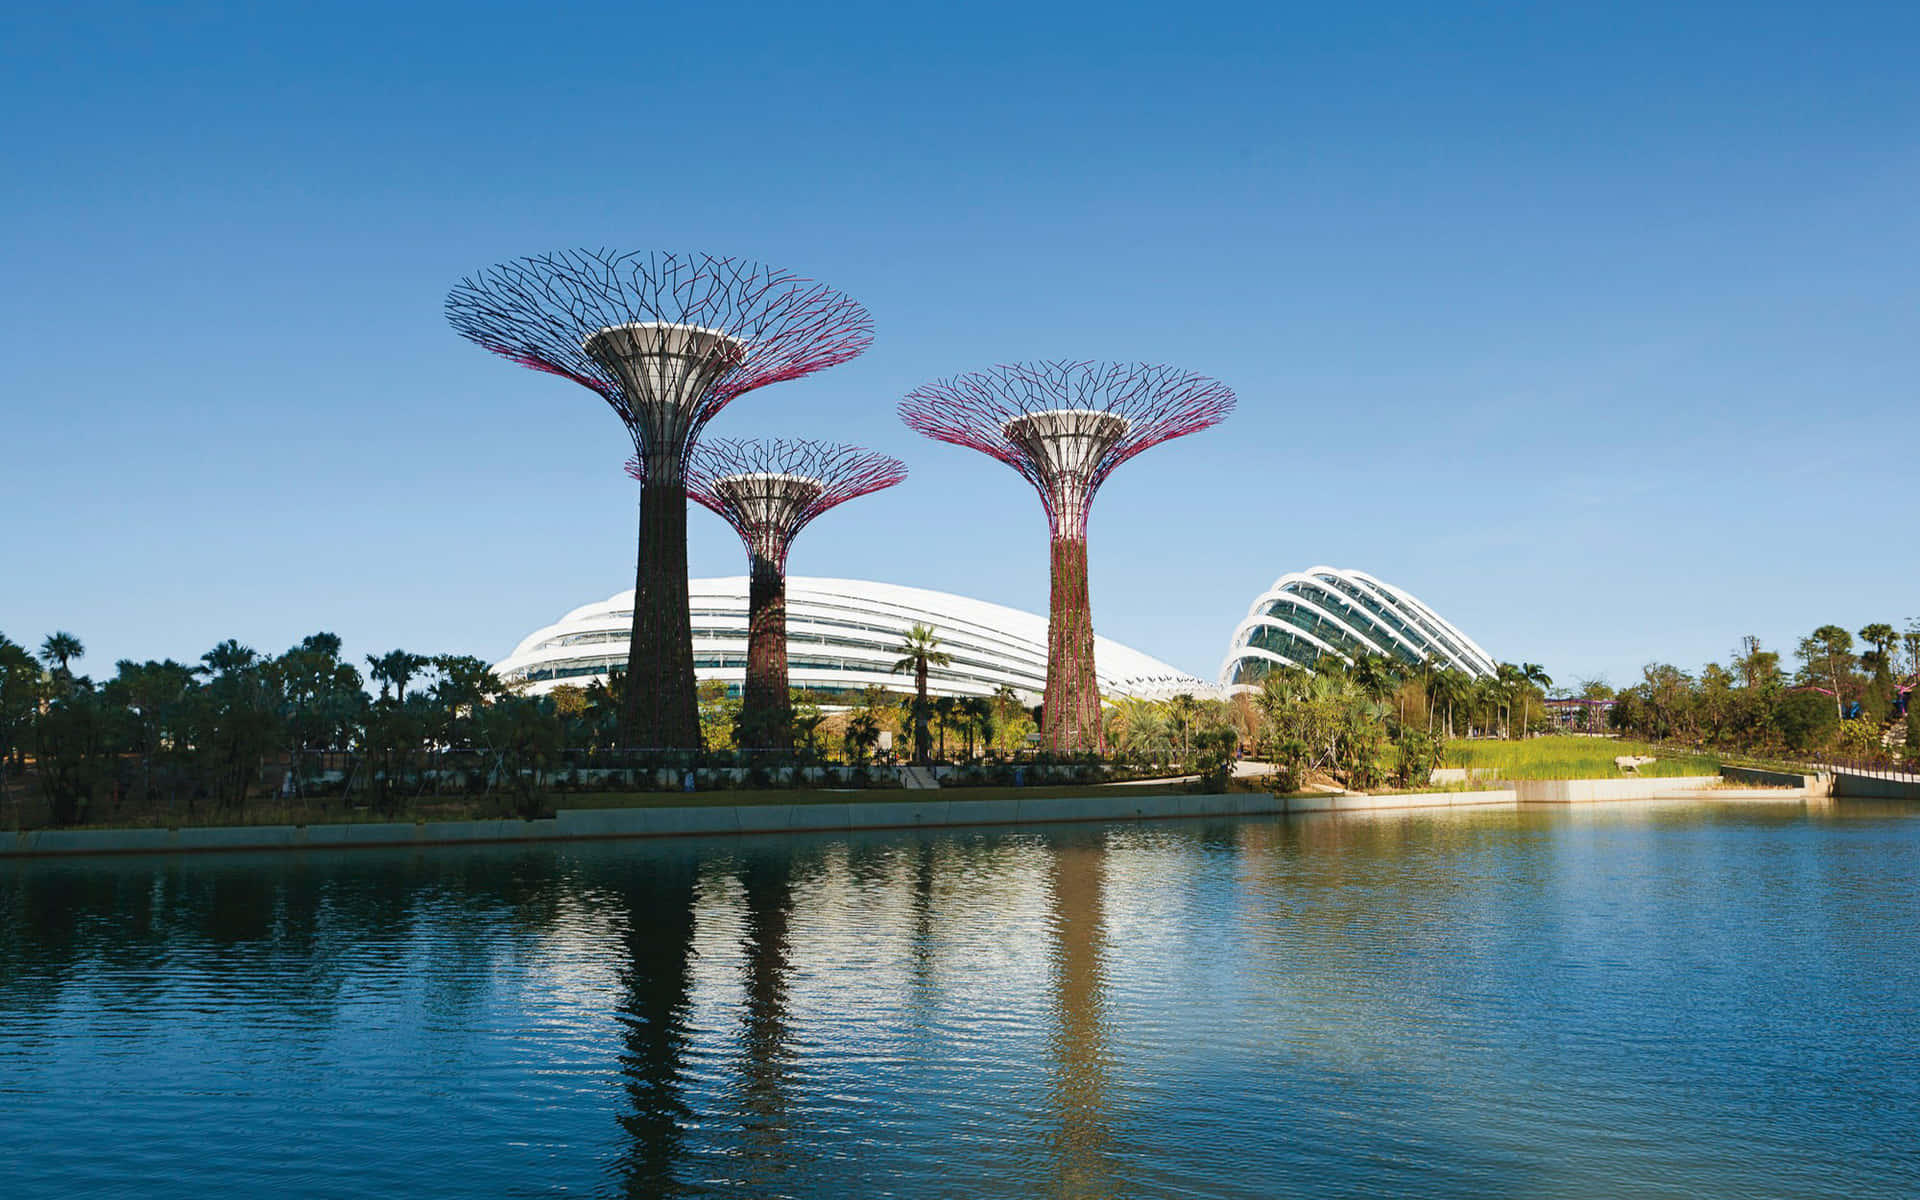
x,y
838,631
1329,611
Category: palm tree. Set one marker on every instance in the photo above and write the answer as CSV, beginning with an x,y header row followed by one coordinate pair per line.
x,y
60,649
242,718
1500,690
397,668
977,711
1536,674
1435,686
920,650
944,710
1376,675
1450,687
863,733
1286,684
1181,711
1143,729
1882,638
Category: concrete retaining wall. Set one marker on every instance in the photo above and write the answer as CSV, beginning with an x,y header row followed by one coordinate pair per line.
x,y
1846,784
1588,791
718,819
1815,785
675,821
1334,802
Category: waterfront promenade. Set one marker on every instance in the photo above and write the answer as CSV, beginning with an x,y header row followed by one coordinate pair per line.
x,y
775,813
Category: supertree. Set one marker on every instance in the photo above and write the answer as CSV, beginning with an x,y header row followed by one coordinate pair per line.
x,y
1064,426
769,491
667,340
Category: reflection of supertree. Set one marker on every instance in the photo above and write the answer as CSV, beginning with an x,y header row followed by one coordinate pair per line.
x,y
767,890
656,978
1083,1062
667,340
769,491
1064,427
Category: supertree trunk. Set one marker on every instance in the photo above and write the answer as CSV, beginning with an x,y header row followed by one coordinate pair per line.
x,y
1070,715
1064,426
769,491
766,709
658,707
667,340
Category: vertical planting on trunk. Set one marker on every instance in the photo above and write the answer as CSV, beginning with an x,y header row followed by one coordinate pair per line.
x,y
1064,426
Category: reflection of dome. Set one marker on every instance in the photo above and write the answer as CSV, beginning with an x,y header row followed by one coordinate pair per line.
x,y
842,636
1325,610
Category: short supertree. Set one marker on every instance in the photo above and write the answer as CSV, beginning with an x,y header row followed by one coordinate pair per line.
x,y
1065,426
667,340
769,491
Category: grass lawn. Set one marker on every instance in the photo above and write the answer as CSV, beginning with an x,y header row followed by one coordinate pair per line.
x,y
1557,757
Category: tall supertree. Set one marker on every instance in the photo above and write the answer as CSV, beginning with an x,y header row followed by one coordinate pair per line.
x,y
769,491
1064,426
667,340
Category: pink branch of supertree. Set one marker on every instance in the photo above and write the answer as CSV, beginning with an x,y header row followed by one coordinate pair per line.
x,y
1159,403
540,312
843,473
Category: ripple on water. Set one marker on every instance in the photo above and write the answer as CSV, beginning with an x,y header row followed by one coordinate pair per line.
x,y
1689,1002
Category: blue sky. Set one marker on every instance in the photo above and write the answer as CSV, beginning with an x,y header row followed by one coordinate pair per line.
x,y
1593,325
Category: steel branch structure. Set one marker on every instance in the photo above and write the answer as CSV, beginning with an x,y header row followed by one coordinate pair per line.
x,y
1064,426
769,491
667,340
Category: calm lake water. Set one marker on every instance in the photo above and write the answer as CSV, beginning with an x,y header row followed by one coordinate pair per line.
x,y
1683,1000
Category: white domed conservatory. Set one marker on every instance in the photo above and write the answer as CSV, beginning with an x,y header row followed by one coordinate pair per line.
x,y
1329,611
842,637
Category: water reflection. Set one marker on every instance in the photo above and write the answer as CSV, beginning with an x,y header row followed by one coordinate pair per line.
x,y
656,980
768,1053
1658,1001
1083,1137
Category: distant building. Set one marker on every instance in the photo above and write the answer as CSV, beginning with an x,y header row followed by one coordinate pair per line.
x,y
842,637
1580,716
1328,611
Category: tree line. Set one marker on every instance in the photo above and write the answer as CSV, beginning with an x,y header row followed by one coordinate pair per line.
x,y
1363,723
189,737
238,726
1839,697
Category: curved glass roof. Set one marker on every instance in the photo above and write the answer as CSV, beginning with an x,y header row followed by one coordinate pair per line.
x,y
842,636
1323,611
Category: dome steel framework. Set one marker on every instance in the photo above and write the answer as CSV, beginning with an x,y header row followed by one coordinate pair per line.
x,y
1330,612
843,638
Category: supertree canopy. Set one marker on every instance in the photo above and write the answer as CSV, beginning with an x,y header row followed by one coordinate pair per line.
x,y
769,491
667,340
1065,426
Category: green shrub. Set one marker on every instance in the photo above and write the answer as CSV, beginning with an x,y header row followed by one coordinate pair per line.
x,y
1415,756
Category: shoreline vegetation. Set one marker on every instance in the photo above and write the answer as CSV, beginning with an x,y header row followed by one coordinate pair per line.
x,y
1846,699
814,811
241,737
482,808
1487,763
